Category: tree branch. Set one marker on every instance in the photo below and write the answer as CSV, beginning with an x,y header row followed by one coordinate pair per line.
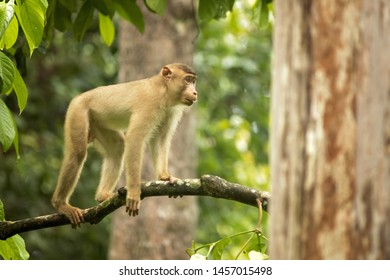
x,y
205,186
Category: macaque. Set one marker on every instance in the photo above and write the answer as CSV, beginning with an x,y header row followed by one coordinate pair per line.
x,y
119,120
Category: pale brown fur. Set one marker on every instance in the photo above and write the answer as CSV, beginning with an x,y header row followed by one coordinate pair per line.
x,y
119,120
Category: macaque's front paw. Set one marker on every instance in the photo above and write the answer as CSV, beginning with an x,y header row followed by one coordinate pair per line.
x,y
74,214
169,178
133,204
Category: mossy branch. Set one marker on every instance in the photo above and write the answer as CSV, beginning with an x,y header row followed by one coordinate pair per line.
x,y
207,185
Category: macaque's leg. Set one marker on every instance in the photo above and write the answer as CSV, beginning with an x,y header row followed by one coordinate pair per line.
x,y
75,153
134,156
69,174
137,134
160,149
111,145
160,145
162,159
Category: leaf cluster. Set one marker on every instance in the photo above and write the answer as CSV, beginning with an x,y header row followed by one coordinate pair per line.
x,y
254,248
13,248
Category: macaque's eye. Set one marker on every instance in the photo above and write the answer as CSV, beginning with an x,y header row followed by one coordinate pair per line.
x,y
190,80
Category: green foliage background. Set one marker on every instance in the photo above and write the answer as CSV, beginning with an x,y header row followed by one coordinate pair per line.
x,y
232,61
233,64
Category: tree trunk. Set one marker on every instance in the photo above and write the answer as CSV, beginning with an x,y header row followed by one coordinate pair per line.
x,y
165,227
330,155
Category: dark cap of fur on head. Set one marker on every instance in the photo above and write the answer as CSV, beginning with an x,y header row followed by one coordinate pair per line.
x,y
185,68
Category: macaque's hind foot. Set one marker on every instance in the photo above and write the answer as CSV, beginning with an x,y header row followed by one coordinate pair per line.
x,y
100,197
169,178
74,214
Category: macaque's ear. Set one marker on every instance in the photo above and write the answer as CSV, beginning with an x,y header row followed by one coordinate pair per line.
x,y
166,72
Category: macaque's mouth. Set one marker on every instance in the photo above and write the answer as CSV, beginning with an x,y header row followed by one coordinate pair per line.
x,y
190,102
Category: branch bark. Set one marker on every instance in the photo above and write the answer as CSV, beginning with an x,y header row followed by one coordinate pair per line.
x,y
207,185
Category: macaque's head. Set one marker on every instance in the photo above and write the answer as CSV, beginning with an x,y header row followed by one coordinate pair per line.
x,y
180,80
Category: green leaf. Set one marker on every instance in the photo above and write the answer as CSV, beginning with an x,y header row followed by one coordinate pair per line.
x,y
31,17
104,7
20,90
3,22
14,248
83,20
130,12
7,73
255,255
48,33
261,10
198,257
10,35
7,126
218,249
209,9
157,6
71,5
107,29
6,15
62,18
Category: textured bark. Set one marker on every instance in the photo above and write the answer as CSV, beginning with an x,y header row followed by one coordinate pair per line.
x,y
330,156
207,185
164,227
